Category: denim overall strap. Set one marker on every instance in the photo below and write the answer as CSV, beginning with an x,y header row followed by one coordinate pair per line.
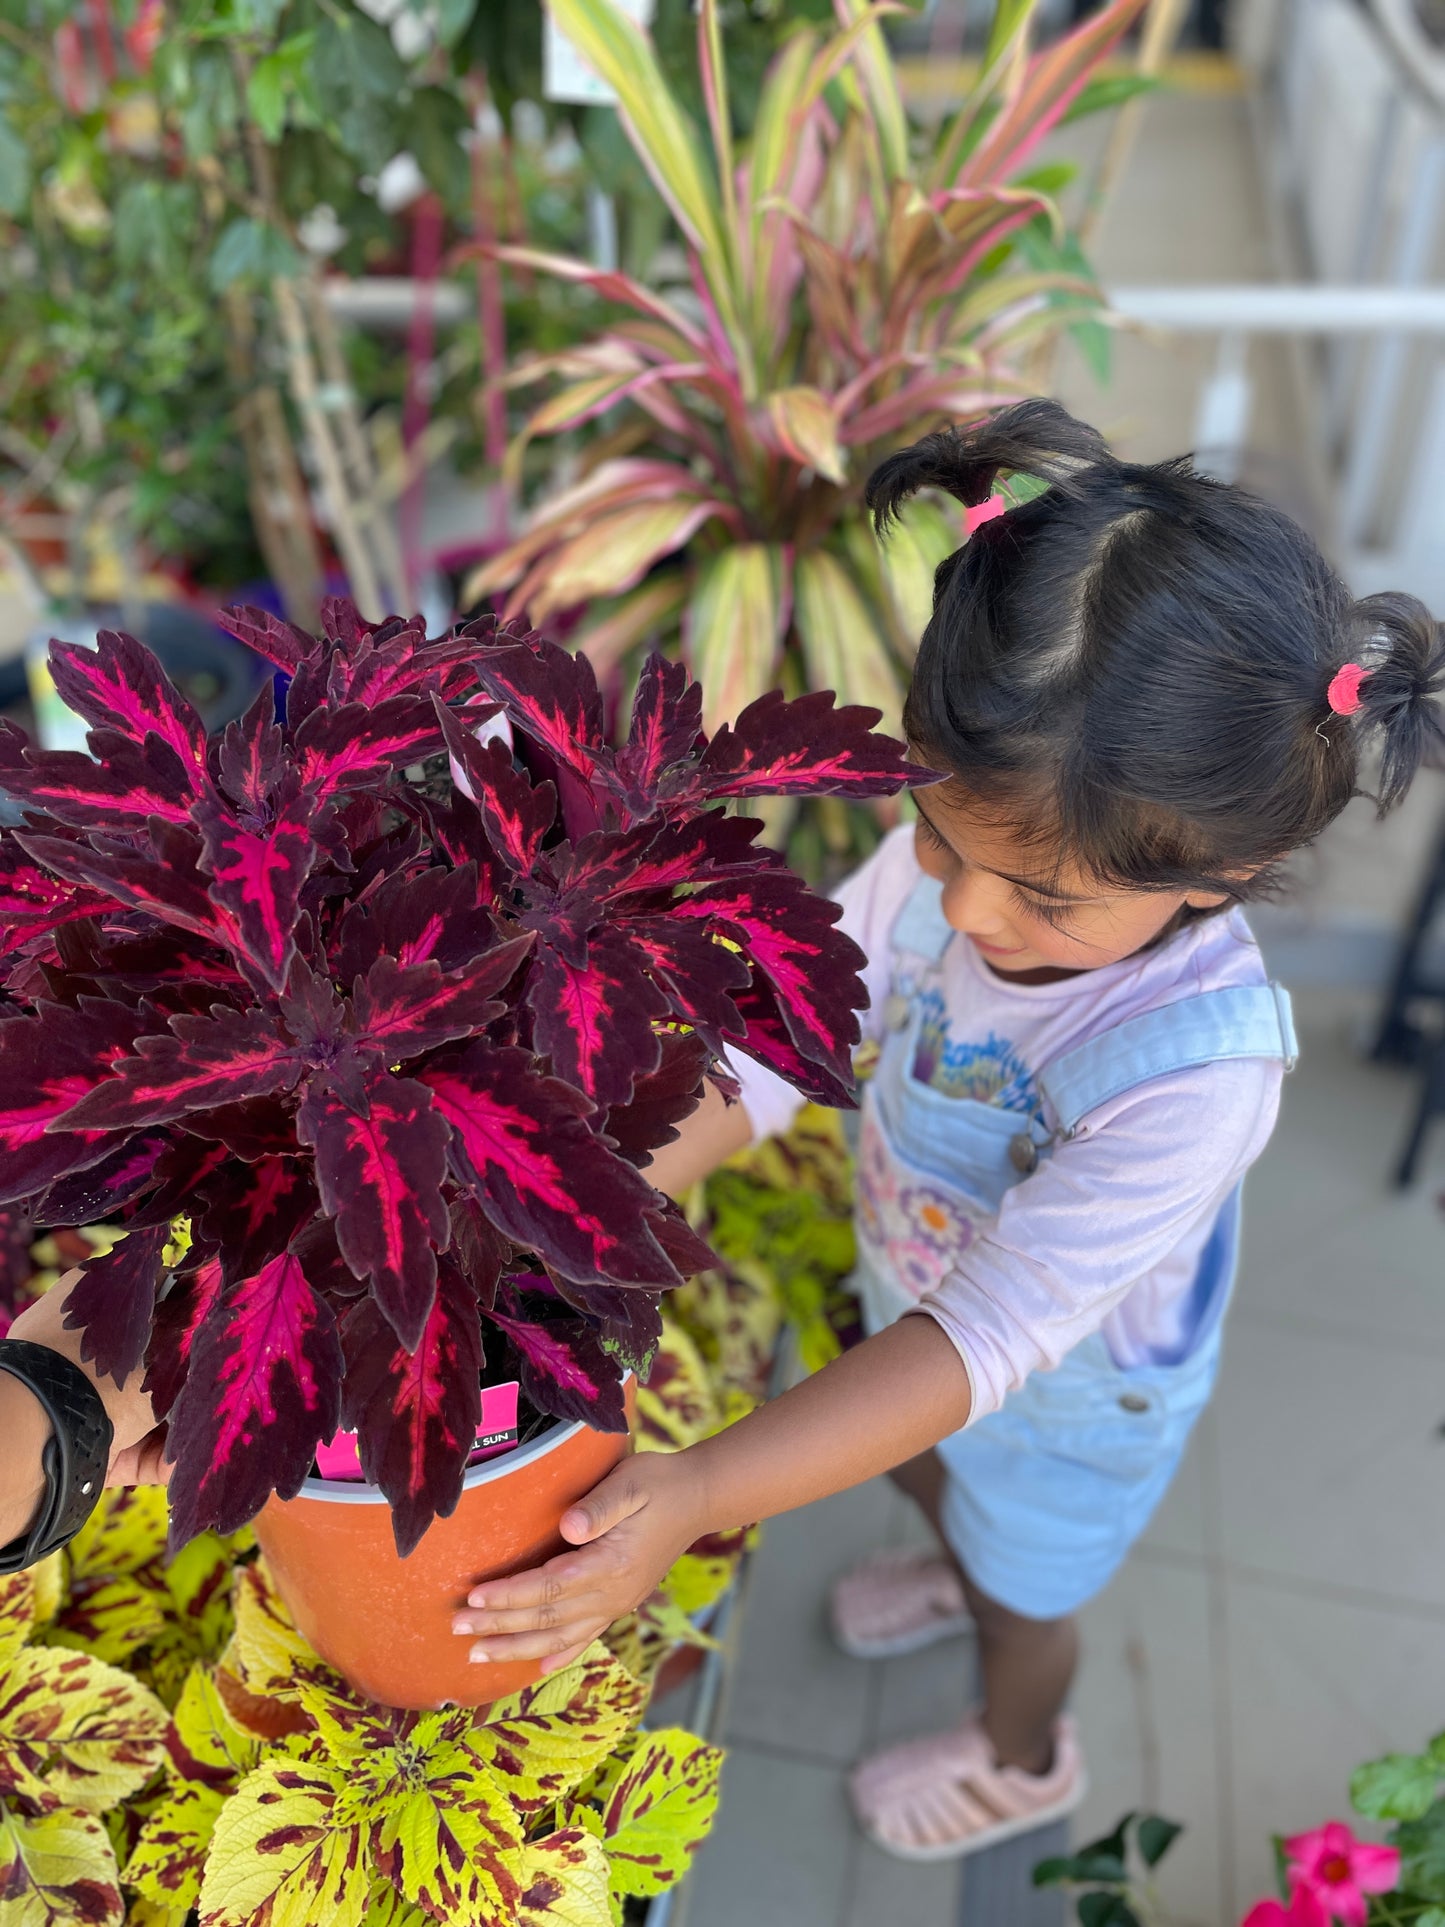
x,y
921,926
1250,1020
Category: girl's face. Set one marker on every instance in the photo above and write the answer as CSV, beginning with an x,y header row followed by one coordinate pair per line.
x,y
1023,922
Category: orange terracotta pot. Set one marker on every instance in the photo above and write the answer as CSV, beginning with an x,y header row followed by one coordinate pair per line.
x,y
385,1623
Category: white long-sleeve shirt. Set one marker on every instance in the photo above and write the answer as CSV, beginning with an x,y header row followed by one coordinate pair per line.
x,y
1107,1234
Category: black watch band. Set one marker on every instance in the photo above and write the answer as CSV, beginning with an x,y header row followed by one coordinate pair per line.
x,y
77,1453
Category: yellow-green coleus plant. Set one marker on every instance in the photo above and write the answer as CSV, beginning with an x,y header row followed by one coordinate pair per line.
x,y
230,1771
853,284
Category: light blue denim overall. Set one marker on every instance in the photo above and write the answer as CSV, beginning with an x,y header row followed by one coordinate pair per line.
x,y
1046,1495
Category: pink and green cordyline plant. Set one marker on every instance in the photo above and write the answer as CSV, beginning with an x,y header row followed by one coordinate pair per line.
x,y
394,1018
853,285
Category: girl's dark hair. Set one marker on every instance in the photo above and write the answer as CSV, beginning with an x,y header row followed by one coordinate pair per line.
x,y
1133,665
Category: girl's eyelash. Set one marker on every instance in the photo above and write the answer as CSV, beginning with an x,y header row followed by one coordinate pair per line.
x,y
1055,914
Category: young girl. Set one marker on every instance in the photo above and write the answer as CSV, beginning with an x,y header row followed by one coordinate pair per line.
x,y
1147,689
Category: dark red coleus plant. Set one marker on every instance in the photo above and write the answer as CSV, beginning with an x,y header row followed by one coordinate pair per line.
x,y
393,999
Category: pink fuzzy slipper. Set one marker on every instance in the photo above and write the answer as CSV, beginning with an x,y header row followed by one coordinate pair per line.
x,y
898,1602
945,1795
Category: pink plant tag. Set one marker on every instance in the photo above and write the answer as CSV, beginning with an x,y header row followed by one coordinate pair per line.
x,y
339,1459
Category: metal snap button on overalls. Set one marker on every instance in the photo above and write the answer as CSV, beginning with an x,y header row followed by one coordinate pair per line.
x,y
1023,1154
895,1012
1133,1402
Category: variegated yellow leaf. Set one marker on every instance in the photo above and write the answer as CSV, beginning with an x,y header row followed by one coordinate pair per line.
x,y
169,1858
565,1882
544,1741
287,1850
611,555
112,1618
126,1531
735,625
679,1404
647,614
697,1581
205,1741
17,1613
806,425
385,1907
57,1870
667,144
272,1655
447,1837
77,1730
923,536
843,643
151,1913
657,1800
49,1582
198,1579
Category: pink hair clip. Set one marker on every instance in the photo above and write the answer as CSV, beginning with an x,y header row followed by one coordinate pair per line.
x,y
1343,694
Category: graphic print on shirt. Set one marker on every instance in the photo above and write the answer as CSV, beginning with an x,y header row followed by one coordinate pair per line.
x,y
917,1225
990,1072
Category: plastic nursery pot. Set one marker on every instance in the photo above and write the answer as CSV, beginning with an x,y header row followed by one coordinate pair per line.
x,y
385,1623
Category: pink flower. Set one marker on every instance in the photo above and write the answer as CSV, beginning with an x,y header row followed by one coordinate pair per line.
x,y
1340,1870
1304,1910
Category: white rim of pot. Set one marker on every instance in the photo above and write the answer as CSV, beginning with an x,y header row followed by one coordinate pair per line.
x,y
358,1492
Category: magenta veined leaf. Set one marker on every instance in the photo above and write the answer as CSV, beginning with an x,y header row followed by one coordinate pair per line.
x,y
415,1412
769,1039
178,1317
262,1388
666,722
203,1061
595,1021
47,1062
562,1366
119,684
258,875
806,747
95,1194
34,903
279,641
552,696
663,1099
434,918
400,1010
251,756
352,745
133,783
172,890
544,1179
790,934
700,974
517,813
114,1301
254,1220
380,1178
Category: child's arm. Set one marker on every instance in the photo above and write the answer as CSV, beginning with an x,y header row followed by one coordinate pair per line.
x,y
705,1140
889,1399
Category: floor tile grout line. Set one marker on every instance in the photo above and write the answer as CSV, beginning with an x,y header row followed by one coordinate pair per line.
x,y
1296,1585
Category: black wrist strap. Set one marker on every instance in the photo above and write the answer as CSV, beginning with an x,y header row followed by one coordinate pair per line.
x,y
76,1456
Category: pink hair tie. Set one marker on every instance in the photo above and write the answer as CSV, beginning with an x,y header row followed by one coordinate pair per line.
x,y
1343,694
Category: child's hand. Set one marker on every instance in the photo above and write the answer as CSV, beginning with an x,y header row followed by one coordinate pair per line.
x,y
629,1531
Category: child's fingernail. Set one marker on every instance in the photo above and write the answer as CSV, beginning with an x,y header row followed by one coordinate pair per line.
x,y
463,1626
479,1656
476,1599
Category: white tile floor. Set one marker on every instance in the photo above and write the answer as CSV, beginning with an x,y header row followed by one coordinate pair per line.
x,y
1284,1619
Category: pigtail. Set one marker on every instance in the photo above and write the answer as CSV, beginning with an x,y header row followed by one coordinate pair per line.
x,y
1035,438
1402,648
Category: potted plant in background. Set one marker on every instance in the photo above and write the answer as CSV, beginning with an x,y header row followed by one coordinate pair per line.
x,y
394,1021
847,287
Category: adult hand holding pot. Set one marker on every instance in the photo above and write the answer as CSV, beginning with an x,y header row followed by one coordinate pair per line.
x,y
135,1457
